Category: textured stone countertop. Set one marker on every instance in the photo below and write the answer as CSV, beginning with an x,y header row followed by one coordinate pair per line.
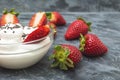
x,y
105,25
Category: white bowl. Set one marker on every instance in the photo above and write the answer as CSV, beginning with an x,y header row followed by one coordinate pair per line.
x,y
22,55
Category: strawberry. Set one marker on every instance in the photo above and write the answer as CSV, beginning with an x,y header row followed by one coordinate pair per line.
x,y
53,27
65,56
91,45
38,33
9,17
76,28
56,18
38,19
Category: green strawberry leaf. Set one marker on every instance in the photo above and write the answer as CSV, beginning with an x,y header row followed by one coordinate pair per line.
x,y
89,24
55,64
61,59
12,11
5,11
69,63
82,43
48,14
51,56
63,66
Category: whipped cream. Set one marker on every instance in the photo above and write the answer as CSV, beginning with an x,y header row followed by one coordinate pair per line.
x,y
11,33
14,33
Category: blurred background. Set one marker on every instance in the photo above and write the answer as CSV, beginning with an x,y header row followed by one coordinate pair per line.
x,y
62,5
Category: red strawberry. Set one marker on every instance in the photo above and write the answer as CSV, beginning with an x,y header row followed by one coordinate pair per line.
x,y
76,28
9,17
53,27
38,19
40,32
56,18
65,56
91,45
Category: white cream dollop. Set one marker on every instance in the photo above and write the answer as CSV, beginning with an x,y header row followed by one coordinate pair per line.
x,y
11,33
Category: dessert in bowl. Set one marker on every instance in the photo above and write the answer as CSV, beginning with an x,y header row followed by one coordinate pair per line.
x,y
19,46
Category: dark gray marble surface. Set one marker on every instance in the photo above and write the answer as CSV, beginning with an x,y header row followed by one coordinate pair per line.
x,y
62,5
107,67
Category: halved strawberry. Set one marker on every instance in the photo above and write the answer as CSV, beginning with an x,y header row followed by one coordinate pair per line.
x,y
56,18
65,56
91,45
38,19
9,17
38,33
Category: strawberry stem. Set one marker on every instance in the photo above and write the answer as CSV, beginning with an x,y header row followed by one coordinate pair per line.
x,y
12,11
5,11
61,59
82,43
80,18
88,23
54,30
48,14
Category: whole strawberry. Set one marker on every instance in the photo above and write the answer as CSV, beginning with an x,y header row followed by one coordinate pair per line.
x,y
38,19
91,45
65,56
9,17
56,18
76,28
38,33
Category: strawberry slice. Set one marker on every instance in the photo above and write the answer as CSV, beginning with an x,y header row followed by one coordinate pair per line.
x,y
38,19
9,17
40,32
